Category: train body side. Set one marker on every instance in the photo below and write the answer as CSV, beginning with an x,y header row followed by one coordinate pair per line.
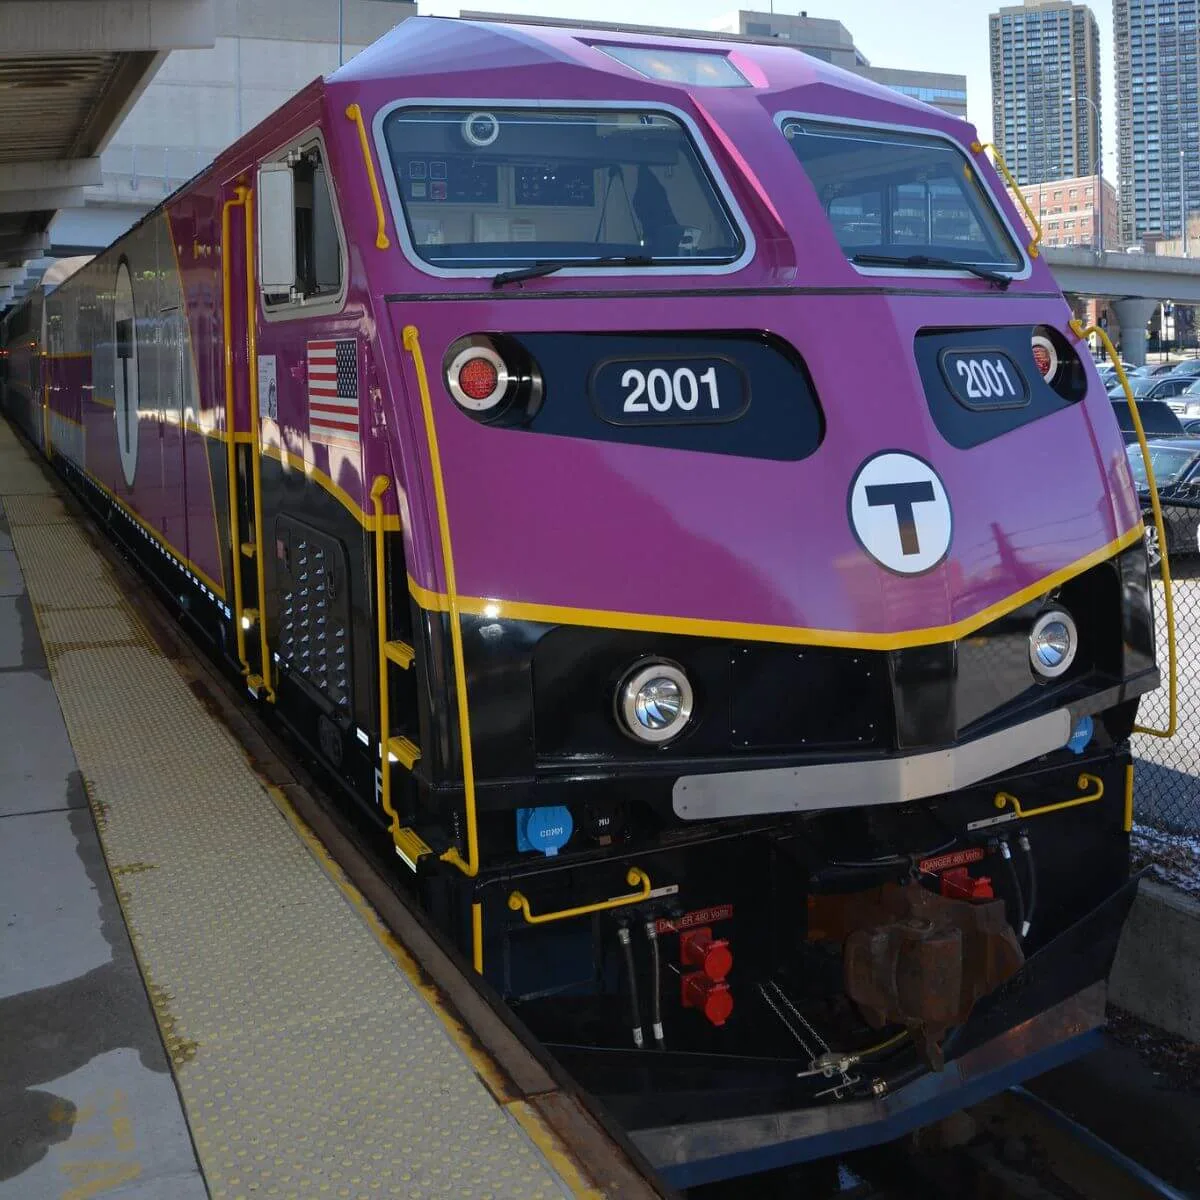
x,y
860,730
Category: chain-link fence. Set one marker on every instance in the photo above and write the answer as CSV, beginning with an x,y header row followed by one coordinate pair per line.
x,y
1166,832
1168,770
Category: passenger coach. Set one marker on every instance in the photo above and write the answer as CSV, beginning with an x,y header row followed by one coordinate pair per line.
x,y
661,482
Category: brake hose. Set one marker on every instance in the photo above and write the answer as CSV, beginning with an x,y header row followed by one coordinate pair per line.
x,y
655,984
1022,925
1023,842
631,975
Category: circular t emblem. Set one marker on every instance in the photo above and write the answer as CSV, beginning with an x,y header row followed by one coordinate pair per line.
x,y
125,372
900,512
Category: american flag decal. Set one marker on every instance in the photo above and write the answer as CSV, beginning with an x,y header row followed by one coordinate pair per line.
x,y
333,390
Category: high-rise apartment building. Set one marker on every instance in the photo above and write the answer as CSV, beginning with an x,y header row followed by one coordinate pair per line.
x,y
1158,114
1046,89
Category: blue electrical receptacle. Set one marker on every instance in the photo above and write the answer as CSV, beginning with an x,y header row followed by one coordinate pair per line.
x,y
546,829
1081,735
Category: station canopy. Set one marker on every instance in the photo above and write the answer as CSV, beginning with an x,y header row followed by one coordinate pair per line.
x,y
70,70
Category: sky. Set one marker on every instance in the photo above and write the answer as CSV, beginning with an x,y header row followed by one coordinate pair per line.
x,y
920,35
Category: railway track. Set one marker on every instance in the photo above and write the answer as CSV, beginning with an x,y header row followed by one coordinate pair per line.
x,y
1014,1146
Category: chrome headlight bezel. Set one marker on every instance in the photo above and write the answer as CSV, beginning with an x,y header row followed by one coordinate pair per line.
x,y
1053,616
629,689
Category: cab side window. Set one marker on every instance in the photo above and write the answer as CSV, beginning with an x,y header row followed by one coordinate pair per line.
x,y
318,247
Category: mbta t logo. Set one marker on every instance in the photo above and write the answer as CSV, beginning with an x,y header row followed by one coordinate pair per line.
x,y
900,512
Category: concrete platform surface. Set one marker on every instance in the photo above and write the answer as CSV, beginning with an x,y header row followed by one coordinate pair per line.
x,y
88,1105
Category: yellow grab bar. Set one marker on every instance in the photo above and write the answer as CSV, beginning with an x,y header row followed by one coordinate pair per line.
x,y
470,865
378,487
1002,167
354,113
235,539
635,878
1004,799
1168,590
264,648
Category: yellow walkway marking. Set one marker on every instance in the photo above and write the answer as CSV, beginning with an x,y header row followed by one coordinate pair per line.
x,y
308,1062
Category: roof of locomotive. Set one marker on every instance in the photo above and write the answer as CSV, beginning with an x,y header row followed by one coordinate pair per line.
x,y
471,57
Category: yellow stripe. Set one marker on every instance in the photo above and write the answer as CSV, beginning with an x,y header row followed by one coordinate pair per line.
x,y
1127,825
470,865
554,614
158,537
391,521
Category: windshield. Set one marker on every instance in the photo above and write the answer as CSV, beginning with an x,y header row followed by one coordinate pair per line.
x,y
506,187
1139,385
1156,417
1170,464
901,194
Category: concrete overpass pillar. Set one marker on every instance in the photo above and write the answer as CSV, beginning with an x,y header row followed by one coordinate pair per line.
x,y
1133,313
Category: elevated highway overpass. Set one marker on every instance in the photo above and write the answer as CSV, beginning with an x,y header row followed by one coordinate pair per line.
x,y
1136,283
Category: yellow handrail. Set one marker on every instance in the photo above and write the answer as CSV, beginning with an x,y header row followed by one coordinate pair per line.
x,y
477,936
235,537
1014,187
378,487
264,648
1004,799
381,238
635,878
1168,591
470,865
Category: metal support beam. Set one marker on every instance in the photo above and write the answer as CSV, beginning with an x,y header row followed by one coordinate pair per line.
x,y
52,173
1134,313
49,27
40,199
23,243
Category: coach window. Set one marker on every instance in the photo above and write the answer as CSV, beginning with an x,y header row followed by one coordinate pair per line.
x,y
318,238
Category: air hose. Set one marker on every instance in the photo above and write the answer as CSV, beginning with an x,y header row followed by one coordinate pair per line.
x,y
655,984
631,975
1021,925
1023,842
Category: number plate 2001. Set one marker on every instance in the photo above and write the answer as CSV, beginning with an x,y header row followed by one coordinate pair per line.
x,y
669,391
984,379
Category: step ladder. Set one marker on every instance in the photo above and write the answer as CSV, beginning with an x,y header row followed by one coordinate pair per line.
x,y
393,655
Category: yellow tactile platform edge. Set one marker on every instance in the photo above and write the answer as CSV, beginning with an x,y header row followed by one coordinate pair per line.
x,y
308,1056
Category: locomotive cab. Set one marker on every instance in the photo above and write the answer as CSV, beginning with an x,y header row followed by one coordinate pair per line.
x,y
671,500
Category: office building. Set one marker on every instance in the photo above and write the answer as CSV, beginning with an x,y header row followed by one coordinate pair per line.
x,y
831,41
1045,58
1158,115
1067,211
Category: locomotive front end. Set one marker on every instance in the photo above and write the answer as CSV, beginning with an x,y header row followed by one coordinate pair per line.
x,y
778,592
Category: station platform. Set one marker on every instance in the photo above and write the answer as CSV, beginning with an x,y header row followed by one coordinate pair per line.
x,y
194,1000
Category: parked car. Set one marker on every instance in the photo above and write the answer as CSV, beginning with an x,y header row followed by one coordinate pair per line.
x,y
1187,403
1176,465
1189,369
1158,420
1151,370
1146,387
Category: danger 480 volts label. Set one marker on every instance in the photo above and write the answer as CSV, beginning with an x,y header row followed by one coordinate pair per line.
x,y
700,916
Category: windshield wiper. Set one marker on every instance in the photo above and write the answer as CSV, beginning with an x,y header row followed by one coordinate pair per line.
x,y
940,264
538,269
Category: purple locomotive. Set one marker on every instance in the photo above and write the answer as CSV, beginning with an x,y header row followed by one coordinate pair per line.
x,y
659,479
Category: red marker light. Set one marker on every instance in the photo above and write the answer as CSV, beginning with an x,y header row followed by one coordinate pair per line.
x,y
478,378
1045,356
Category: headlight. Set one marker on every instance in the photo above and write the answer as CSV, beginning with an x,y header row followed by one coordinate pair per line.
x,y
654,702
1053,642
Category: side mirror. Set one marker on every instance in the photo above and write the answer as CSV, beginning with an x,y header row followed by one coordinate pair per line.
x,y
276,228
